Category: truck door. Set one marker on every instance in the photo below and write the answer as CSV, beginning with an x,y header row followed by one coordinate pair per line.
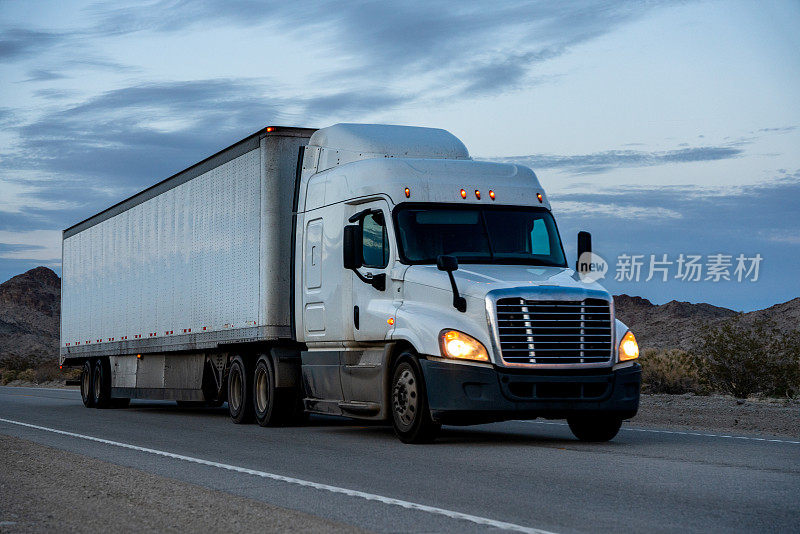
x,y
373,309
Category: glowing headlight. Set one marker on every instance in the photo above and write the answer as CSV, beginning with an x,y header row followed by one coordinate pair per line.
x,y
628,348
460,346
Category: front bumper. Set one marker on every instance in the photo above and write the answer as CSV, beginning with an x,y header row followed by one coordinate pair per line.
x,y
465,394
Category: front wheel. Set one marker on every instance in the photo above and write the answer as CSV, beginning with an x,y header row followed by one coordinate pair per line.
x,y
595,428
411,415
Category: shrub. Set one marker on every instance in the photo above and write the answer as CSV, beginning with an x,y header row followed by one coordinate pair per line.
x,y
670,371
742,360
9,375
28,375
47,372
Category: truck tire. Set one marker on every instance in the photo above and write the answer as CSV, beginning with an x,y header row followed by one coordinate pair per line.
x,y
87,384
240,405
408,400
269,403
597,428
102,383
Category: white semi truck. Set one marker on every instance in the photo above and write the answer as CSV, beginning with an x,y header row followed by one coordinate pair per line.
x,y
368,271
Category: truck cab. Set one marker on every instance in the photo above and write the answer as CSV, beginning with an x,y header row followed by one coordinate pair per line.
x,y
430,289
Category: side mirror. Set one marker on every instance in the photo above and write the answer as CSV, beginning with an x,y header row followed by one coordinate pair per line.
x,y
584,245
352,247
447,263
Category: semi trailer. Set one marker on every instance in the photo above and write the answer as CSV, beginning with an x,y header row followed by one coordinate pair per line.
x,y
359,270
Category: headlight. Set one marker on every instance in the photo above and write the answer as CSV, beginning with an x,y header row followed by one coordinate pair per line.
x,y
460,346
628,348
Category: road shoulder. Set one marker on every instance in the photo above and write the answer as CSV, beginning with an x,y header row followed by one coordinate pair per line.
x,y
43,489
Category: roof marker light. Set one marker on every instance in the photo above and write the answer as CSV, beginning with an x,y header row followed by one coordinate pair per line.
x,y
477,194
408,192
539,196
463,194
270,129
491,194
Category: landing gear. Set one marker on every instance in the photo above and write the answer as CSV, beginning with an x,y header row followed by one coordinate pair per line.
x,y
411,416
595,428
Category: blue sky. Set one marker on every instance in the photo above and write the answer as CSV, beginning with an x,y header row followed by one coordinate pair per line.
x,y
661,127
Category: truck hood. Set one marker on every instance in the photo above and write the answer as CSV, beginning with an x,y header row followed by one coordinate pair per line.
x,y
476,280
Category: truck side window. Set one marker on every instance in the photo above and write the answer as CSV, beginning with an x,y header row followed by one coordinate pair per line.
x,y
540,239
376,242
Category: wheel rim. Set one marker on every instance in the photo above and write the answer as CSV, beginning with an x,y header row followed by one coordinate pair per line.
x,y
405,399
236,391
85,384
97,378
262,390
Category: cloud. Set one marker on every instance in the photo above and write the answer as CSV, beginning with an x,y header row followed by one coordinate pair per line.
x,y
600,162
43,75
752,219
17,43
39,245
481,49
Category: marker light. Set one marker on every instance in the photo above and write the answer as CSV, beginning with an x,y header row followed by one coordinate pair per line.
x,y
459,346
539,196
477,194
270,129
491,194
390,321
628,348
408,192
463,194
139,356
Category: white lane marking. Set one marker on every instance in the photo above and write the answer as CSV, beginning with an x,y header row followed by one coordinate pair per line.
x,y
679,432
333,489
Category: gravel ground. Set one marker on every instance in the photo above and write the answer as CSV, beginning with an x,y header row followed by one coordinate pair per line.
x,y
720,414
46,490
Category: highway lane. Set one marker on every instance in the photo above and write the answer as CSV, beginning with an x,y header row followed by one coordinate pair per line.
x,y
526,474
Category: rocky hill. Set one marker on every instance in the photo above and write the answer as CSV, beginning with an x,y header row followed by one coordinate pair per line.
x,y
30,315
675,324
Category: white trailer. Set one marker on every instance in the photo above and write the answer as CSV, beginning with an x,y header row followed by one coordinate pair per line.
x,y
361,270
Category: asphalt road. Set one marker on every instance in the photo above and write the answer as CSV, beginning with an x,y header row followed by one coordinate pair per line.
x,y
524,476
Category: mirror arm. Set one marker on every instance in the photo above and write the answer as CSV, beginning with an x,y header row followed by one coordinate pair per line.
x,y
459,302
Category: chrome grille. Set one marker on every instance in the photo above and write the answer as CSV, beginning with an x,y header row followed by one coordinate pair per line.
x,y
554,332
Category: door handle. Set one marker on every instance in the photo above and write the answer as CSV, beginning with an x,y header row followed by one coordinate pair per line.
x,y
355,316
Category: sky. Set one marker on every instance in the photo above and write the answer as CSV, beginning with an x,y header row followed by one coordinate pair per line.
x,y
663,128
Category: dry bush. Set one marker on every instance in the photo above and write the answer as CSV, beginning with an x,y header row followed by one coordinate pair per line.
x,y
47,372
743,360
7,375
28,375
670,371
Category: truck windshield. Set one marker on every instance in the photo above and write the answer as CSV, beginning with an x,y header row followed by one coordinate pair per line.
x,y
478,234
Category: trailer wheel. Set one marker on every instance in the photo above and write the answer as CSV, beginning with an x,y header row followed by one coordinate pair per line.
x,y
102,383
273,406
87,383
411,416
240,406
594,428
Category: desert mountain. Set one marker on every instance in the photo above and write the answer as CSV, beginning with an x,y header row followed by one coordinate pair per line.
x,y
30,315
675,324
